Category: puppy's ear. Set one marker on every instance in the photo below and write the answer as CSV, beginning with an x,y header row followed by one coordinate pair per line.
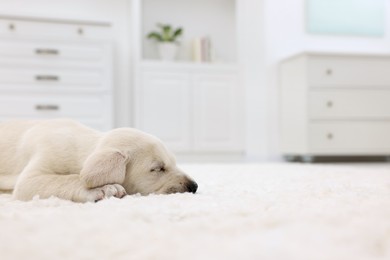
x,y
103,167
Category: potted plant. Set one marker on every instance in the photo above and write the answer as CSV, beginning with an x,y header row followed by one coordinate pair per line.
x,y
167,40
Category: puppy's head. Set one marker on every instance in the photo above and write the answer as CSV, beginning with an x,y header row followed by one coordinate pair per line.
x,y
138,161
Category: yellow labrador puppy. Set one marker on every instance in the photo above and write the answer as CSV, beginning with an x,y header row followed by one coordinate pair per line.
x,y
68,160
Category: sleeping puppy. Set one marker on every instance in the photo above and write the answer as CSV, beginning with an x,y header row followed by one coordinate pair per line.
x,y
68,160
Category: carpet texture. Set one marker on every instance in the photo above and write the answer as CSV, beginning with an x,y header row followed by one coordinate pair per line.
x,y
241,211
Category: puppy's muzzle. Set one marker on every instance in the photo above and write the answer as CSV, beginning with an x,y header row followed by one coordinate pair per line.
x,y
192,186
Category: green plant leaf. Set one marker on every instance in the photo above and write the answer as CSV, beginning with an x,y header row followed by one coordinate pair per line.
x,y
167,34
177,33
155,35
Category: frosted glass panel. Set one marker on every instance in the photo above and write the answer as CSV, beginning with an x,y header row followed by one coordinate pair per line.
x,y
354,17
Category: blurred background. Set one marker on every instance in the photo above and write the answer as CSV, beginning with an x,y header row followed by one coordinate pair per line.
x,y
216,80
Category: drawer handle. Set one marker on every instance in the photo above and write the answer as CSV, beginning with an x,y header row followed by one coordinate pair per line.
x,y
80,31
40,51
11,27
329,136
47,107
329,72
329,104
47,78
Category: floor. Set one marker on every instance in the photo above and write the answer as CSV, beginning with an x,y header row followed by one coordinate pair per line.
x,y
241,211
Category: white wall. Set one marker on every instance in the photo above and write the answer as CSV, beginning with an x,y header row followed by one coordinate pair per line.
x,y
284,35
115,12
251,54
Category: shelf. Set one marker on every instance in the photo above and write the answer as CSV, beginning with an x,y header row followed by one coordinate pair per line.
x,y
215,19
157,64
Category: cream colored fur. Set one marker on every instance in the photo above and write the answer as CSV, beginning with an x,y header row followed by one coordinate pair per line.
x,y
66,159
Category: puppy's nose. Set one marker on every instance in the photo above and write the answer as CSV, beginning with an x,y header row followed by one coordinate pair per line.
x,y
192,186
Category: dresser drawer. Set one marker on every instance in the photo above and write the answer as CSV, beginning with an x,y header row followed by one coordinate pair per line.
x,y
33,77
348,71
49,51
50,106
349,104
39,28
352,138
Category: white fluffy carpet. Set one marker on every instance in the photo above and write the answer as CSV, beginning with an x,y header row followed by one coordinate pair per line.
x,y
265,211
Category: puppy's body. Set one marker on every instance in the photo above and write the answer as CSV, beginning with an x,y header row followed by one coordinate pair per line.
x,y
66,159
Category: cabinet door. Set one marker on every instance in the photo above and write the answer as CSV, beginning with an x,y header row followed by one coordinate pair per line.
x,y
164,108
217,113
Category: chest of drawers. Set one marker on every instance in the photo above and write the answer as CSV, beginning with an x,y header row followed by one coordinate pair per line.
x,y
335,105
56,68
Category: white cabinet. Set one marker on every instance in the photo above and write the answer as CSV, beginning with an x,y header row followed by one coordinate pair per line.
x,y
164,107
192,108
195,108
335,104
56,68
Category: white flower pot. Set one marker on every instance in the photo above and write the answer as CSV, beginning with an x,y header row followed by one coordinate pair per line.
x,y
167,50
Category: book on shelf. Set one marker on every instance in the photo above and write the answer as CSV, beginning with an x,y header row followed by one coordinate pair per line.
x,y
202,50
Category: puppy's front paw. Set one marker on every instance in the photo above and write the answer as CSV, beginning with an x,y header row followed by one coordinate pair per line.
x,y
106,191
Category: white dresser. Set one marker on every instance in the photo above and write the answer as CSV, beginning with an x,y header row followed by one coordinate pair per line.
x,y
56,68
335,105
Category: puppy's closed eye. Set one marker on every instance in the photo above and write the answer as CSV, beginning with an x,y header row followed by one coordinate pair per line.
x,y
158,167
162,169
